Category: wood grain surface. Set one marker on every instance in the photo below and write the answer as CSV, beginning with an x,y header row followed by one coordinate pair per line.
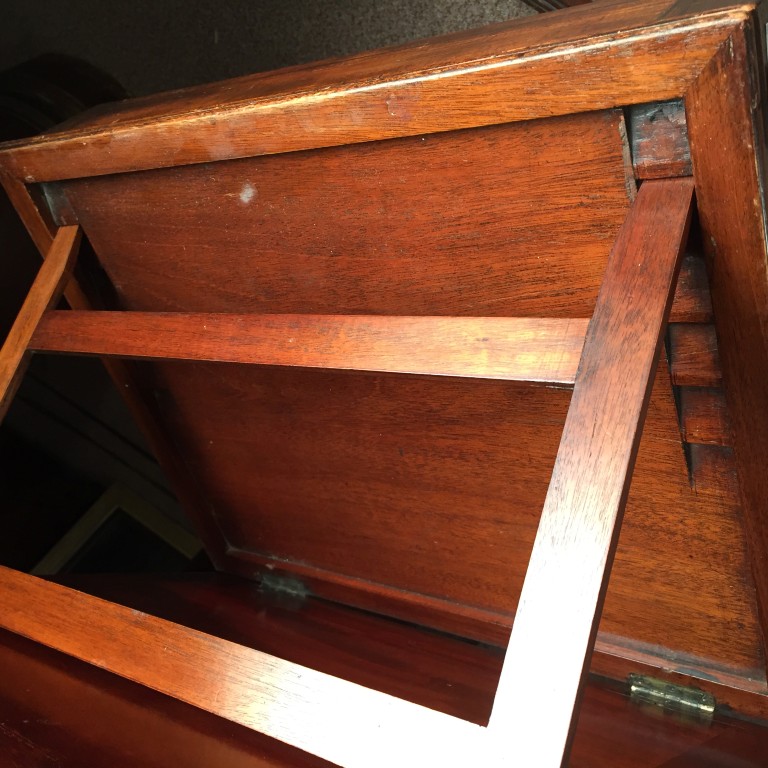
x,y
37,221
513,349
339,721
343,480
44,293
499,221
54,706
572,555
726,121
59,709
506,73
693,355
658,596
692,303
704,416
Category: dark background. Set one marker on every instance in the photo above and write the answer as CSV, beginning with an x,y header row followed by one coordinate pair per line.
x,y
156,45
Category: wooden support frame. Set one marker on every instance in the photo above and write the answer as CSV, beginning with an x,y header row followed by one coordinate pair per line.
x,y
701,51
567,576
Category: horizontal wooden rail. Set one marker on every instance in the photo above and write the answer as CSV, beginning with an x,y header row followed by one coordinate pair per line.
x,y
516,349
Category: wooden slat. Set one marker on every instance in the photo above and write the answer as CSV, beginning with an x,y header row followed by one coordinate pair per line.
x,y
564,588
44,293
517,349
337,720
704,416
476,78
713,470
692,303
693,355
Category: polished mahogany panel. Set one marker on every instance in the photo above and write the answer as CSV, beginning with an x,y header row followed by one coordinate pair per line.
x,y
497,221
413,496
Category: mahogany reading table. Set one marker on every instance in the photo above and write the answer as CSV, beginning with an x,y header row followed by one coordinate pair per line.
x,y
414,334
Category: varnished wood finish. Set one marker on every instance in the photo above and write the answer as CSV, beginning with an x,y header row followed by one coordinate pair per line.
x,y
400,227
713,470
725,121
512,349
459,81
272,452
342,486
38,687
58,708
326,716
443,446
440,671
41,230
704,416
44,293
573,552
646,194
692,303
693,355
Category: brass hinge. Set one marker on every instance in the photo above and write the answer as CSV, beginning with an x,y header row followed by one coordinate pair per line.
x,y
684,701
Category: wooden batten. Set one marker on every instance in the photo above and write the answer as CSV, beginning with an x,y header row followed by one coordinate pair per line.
x,y
693,355
541,350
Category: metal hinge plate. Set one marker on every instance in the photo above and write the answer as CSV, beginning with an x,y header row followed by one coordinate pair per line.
x,y
683,701
285,585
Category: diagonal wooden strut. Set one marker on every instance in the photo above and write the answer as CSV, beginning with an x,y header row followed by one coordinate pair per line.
x,y
44,293
561,601
562,597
